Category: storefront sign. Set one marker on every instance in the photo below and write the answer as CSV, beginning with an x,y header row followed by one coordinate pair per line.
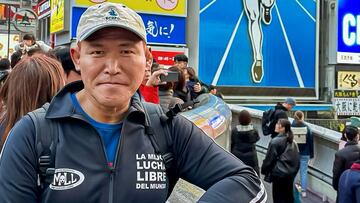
x,y
348,80
347,106
162,7
348,32
57,15
25,20
165,55
43,8
160,29
346,93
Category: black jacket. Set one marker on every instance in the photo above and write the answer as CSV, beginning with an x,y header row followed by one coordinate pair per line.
x,y
306,149
243,139
344,158
138,174
276,147
280,112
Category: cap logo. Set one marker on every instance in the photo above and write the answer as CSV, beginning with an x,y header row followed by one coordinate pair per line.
x,y
112,15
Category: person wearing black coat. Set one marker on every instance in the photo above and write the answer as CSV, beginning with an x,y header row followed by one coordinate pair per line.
x,y
282,162
243,139
345,157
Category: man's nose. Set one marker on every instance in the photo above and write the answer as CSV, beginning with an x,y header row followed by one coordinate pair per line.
x,y
112,66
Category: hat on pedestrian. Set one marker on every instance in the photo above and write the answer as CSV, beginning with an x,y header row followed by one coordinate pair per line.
x,y
109,15
290,101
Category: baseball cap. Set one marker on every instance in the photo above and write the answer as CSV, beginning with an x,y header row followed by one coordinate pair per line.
x,y
109,15
290,101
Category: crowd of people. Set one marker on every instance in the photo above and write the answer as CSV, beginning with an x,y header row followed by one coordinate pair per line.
x,y
76,125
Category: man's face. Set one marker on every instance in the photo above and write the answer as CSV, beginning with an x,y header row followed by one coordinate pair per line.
x,y
181,64
112,63
288,106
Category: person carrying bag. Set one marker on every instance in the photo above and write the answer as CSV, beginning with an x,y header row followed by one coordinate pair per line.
x,y
282,163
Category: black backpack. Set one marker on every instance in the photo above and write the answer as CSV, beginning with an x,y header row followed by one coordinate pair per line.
x,y
268,122
157,127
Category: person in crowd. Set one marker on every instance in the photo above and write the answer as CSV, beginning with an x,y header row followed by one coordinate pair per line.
x,y
166,95
214,91
62,53
243,139
282,162
181,90
4,69
195,86
306,150
345,157
104,139
15,58
33,82
281,110
181,61
149,86
349,184
29,42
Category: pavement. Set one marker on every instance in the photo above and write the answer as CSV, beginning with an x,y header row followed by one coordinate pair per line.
x,y
185,192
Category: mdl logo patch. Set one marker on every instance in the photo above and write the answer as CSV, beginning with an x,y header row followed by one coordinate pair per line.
x,y
66,178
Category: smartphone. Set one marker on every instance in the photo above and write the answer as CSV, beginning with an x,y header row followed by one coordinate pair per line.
x,y
173,76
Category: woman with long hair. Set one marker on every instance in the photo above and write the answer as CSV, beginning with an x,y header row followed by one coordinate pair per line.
x,y
32,82
282,163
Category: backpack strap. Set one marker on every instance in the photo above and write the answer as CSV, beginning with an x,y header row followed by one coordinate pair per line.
x,y
158,128
46,140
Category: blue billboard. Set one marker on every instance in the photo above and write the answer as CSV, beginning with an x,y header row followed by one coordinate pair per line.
x,y
160,29
259,44
348,32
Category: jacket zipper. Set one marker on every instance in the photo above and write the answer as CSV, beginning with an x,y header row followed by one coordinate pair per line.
x,y
112,168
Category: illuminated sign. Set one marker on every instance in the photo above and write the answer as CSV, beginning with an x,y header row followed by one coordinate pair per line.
x,y
43,8
348,32
57,16
162,7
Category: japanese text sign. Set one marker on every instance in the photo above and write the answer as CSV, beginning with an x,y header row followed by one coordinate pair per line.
x,y
162,7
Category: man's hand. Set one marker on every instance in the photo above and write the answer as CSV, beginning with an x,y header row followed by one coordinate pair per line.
x,y
197,87
154,79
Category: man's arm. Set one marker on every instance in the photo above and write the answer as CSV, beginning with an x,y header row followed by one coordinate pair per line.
x,y
18,176
204,163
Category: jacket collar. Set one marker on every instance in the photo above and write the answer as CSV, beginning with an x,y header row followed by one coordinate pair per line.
x,y
244,128
351,143
356,165
62,106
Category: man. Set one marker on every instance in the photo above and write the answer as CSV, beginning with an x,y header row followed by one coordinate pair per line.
x,y
62,53
281,110
104,152
29,43
345,157
181,61
349,184
253,10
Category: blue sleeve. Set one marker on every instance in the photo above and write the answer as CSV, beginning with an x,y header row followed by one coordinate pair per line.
x,y
18,176
202,162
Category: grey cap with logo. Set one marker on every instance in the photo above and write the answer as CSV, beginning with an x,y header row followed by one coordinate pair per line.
x,y
109,15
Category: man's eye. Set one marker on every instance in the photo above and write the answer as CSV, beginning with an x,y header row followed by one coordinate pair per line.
x,y
96,52
126,51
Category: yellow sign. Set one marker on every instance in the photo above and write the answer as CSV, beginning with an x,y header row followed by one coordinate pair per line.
x,y
162,7
348,80
57,15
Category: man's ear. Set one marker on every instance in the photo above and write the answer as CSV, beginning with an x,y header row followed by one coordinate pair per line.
x,y
75,56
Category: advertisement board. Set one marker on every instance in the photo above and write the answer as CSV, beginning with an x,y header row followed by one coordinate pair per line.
x,y
14,39
346,102
160,29
348,50
161,7
265,55
43,8
57,15
165,55
348,80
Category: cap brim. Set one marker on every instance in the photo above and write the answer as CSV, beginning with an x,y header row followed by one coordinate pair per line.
x,y
101,26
